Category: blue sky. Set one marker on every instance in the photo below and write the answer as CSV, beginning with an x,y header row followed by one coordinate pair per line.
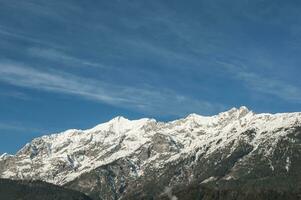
x,y
74,64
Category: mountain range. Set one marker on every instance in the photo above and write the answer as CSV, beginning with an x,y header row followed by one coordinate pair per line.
x,y
234,155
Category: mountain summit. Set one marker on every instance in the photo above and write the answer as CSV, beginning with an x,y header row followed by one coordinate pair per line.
x,y
142,159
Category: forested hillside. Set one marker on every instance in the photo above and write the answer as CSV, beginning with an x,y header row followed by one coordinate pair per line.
x,y
36,190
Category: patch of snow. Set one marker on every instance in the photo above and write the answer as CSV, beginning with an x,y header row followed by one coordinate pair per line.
x,y
288,164
5,155
168,192
210,179
228,177
271,165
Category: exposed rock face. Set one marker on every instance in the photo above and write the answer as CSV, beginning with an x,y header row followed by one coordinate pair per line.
x,y
192,158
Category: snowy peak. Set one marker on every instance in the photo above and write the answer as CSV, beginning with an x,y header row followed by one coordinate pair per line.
x,y
236,113
120,124
232,113
222,119
60,158
119,120
5,155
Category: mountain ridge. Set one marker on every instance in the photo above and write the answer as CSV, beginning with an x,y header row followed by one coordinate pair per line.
x,y
120,157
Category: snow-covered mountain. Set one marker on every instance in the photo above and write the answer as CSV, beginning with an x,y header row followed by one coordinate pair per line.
x,y
142,159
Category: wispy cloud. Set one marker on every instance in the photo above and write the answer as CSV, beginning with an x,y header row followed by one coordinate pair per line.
x,y
13,126
61,57
15,94
161,36
148,99
238,70
262,84
17,34
271,86
55,10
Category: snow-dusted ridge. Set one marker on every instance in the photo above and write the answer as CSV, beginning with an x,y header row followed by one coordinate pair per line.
x,y
5,155
60,158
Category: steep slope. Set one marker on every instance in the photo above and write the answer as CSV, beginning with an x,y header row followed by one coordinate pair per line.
x,y
145,159
36,190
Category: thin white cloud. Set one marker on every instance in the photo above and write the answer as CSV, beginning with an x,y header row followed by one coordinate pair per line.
x,y
13,126
262,84
17,34
152,100
271,86
15,94
55,55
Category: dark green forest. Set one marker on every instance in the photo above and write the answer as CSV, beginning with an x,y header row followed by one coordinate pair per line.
x,y
36,190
